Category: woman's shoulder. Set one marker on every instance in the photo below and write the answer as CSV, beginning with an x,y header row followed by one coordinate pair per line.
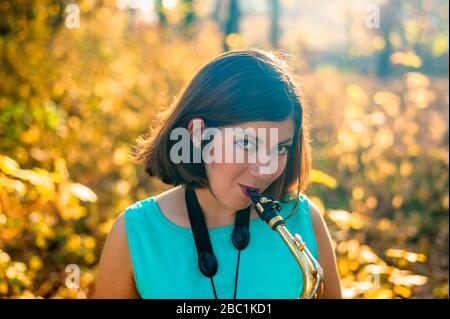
x,y
174,194
161,199
312,208
300,202
316,215
138,211
115,273
307,208
169,203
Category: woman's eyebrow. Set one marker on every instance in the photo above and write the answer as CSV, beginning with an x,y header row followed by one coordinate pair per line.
x,y
258,140
285,141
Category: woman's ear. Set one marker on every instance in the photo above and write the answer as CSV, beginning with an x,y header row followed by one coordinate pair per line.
x,y
196,126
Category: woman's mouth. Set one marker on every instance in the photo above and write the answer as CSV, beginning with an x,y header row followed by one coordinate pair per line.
x,y
246,188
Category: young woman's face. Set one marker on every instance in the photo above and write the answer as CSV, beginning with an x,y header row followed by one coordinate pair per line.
x,y
257,160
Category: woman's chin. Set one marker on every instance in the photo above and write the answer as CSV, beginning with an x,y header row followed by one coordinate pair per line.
x,y
239,202
243,203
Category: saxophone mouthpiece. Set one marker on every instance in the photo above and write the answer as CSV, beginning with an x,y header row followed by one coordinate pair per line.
x,y
265,206
254,196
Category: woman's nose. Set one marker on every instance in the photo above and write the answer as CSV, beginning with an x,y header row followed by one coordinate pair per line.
x,y
263,171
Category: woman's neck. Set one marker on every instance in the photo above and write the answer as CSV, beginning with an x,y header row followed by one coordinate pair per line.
x,y
217,215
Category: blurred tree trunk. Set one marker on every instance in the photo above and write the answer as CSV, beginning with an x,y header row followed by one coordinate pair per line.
x,y
188,14
388,23
274,23
160,13
216,14
232,22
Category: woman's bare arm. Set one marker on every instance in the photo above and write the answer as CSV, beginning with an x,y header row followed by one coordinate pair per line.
x,y
115,271
327,257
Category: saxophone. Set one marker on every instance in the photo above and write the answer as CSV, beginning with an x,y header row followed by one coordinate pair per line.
x,y
312,273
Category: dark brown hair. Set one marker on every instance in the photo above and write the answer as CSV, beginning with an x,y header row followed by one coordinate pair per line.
x,y
235,87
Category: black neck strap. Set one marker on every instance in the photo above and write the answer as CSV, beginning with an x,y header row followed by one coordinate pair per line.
x,y
207,261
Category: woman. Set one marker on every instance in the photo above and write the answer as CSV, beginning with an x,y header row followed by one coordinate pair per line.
x,y
153,252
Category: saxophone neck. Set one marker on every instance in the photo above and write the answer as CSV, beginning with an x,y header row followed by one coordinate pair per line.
x,y
267,208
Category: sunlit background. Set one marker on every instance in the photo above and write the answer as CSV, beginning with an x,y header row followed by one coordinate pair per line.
x,y
80,80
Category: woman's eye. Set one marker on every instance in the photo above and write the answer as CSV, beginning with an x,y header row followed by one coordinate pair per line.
x,y
245,144
283,149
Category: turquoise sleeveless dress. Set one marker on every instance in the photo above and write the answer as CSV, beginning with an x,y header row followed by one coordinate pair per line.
x,y
165,265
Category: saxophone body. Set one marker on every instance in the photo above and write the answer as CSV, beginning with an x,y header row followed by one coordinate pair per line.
x,y
268,210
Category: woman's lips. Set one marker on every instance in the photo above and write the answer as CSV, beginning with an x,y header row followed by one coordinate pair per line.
x,y
246,188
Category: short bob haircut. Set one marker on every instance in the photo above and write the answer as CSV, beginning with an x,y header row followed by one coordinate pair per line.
x,y
235,87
